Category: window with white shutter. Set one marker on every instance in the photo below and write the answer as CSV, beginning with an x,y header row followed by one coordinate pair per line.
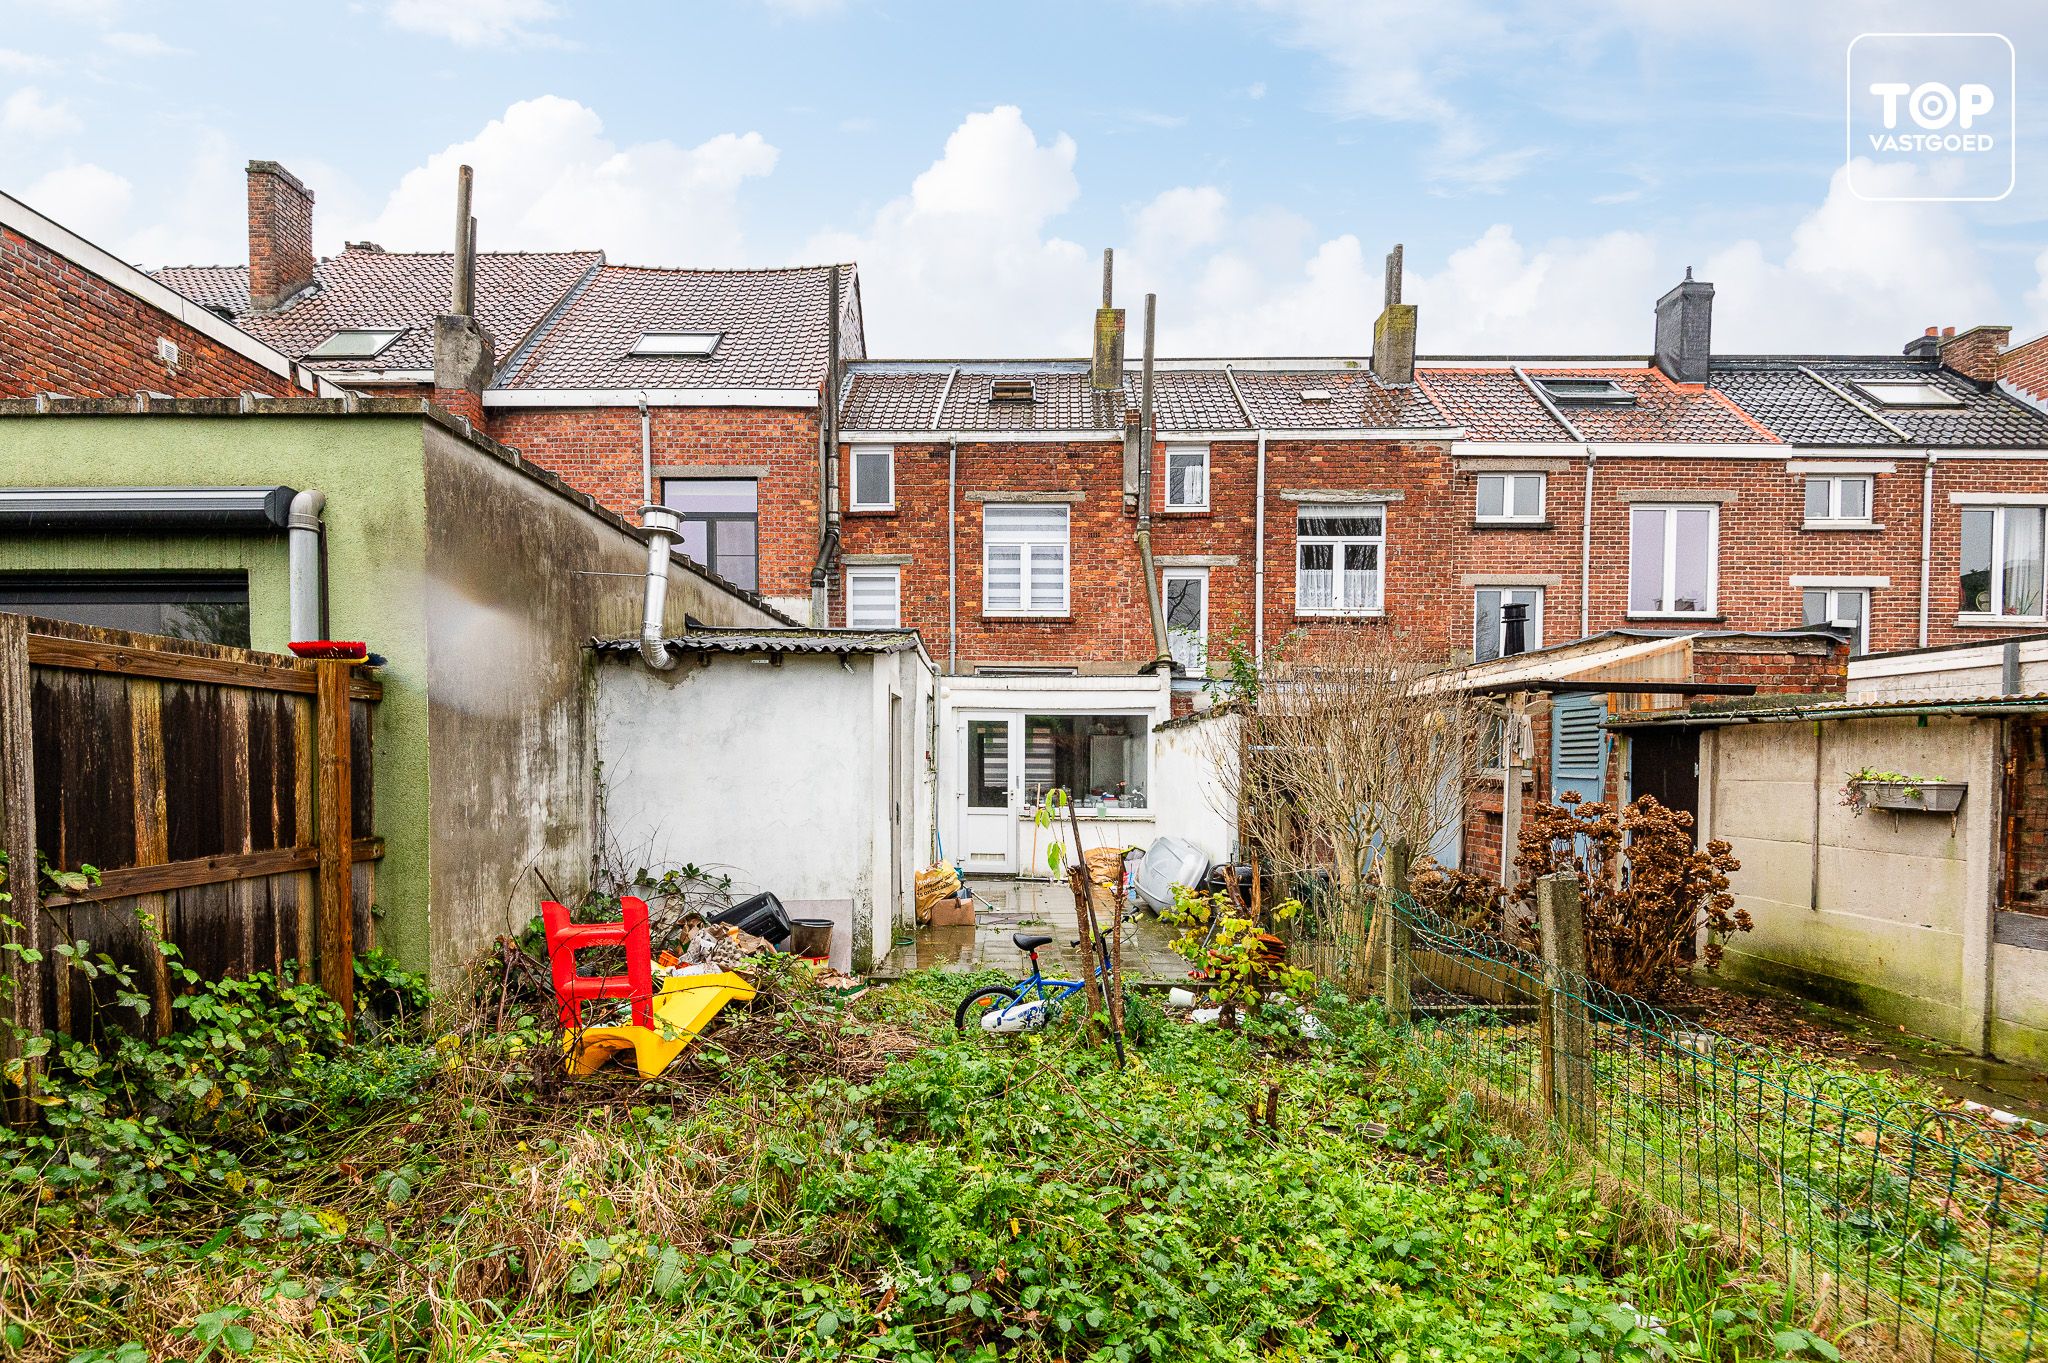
x,y
874,598
874,478
1024,559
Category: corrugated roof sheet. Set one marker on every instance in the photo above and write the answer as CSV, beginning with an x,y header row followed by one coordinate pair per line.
x,y
1795,709
734,640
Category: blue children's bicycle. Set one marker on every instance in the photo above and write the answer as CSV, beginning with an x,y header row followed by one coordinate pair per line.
x,y
1027,1005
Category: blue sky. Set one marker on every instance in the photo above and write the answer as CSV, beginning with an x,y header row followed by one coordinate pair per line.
x,y
1549,167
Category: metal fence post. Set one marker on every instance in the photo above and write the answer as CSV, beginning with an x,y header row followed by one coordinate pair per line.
x,y
1569,1054
1394,938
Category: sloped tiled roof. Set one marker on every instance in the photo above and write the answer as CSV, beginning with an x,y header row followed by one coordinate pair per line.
x,y
775,327
897,395
1662,411
1789,396
1491,404
366,287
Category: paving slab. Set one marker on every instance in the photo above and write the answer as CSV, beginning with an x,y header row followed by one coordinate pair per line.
x,y
1003,907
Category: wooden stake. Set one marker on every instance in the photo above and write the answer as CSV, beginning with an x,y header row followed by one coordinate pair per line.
x,y
18,840
336,835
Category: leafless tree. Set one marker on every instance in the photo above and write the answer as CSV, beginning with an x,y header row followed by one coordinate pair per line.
x,y
1353,742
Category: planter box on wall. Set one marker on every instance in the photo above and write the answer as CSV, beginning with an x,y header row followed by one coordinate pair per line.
x,y
1923,797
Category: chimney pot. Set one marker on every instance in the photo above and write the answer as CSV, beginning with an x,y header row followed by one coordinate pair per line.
x,y
1934,331
1948,331
280,235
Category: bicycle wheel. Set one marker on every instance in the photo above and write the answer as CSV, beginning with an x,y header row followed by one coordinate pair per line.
x,y
989,998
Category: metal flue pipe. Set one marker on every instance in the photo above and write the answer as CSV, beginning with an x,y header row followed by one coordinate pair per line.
x,y
662,526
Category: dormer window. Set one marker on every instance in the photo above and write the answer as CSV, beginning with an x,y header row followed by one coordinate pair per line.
x,y
696,345
1586,392
1906,393
356,343
1012,390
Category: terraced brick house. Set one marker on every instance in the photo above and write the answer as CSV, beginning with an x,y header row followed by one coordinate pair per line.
x,y
703,389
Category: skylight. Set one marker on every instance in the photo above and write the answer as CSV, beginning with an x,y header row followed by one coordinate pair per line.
x,y
697,344
1906,393
1011,390
1315,395
1586,392
356,343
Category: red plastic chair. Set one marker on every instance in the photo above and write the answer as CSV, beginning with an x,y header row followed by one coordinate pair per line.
x,y
565,939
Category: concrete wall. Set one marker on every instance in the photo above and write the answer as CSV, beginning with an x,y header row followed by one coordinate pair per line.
x,y
1192,782
778,774
1893,918
469,576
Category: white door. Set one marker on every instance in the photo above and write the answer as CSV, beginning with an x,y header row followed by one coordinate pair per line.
x,y
991,791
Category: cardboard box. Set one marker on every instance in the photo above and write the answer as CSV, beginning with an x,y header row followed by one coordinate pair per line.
x,y
953,913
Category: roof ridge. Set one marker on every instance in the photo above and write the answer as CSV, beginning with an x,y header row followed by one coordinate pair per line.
x,y
730,269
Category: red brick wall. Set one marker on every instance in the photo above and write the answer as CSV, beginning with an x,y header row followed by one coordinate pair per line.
x,y
66,330
598,451
2025,367
2026,852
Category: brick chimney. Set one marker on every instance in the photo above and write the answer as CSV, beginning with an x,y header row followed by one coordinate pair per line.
x,y
1393,336
1685,330
1975,353
280,235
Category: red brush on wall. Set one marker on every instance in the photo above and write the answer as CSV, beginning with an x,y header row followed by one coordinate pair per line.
x,y
331,648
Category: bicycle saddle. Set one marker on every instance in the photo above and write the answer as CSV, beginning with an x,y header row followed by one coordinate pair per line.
x,y
1026,942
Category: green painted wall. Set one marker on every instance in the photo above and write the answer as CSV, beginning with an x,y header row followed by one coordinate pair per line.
x,y
372,469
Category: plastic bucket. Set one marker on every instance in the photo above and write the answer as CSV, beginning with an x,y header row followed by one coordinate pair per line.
x,y
810,937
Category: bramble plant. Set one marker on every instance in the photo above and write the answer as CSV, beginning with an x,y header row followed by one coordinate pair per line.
x,y
1230,951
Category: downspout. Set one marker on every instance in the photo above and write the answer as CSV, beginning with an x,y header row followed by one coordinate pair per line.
x,y
952,556
646,453
1162,655
1926,540
1585,513
1258,527
305,541
1586,551
952,527
662,526
828,433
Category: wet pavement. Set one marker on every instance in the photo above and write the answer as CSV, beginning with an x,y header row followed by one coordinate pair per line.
x,y
1003,907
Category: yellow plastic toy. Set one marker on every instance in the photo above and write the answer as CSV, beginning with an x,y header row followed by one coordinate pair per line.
x,y
683,1008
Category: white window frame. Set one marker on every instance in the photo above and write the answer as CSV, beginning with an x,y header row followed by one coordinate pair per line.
x,y
887,454
1507,502
1199,667
1860,644
1996,615
1713,510
1535,639
894,577
1027,541
1184,447
1337,545
1834,516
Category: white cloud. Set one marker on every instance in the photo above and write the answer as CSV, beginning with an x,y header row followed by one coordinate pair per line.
x,y
24,63
86,198
547,178
28,113
143,45
1256,90
475,23
963,263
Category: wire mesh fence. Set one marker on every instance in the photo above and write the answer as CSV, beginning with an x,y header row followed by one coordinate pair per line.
x,y
1896,1220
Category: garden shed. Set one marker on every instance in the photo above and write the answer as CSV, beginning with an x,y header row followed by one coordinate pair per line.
x,y
1894,855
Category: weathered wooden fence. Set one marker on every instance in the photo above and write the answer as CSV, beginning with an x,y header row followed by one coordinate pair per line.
x,y
224,795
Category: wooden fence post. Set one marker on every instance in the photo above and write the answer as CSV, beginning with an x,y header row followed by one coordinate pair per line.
x,y
1567,1041
336,831
1394,937
23,980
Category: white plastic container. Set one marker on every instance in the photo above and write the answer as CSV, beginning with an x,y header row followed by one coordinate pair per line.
x,y
1028,1016
1169,862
